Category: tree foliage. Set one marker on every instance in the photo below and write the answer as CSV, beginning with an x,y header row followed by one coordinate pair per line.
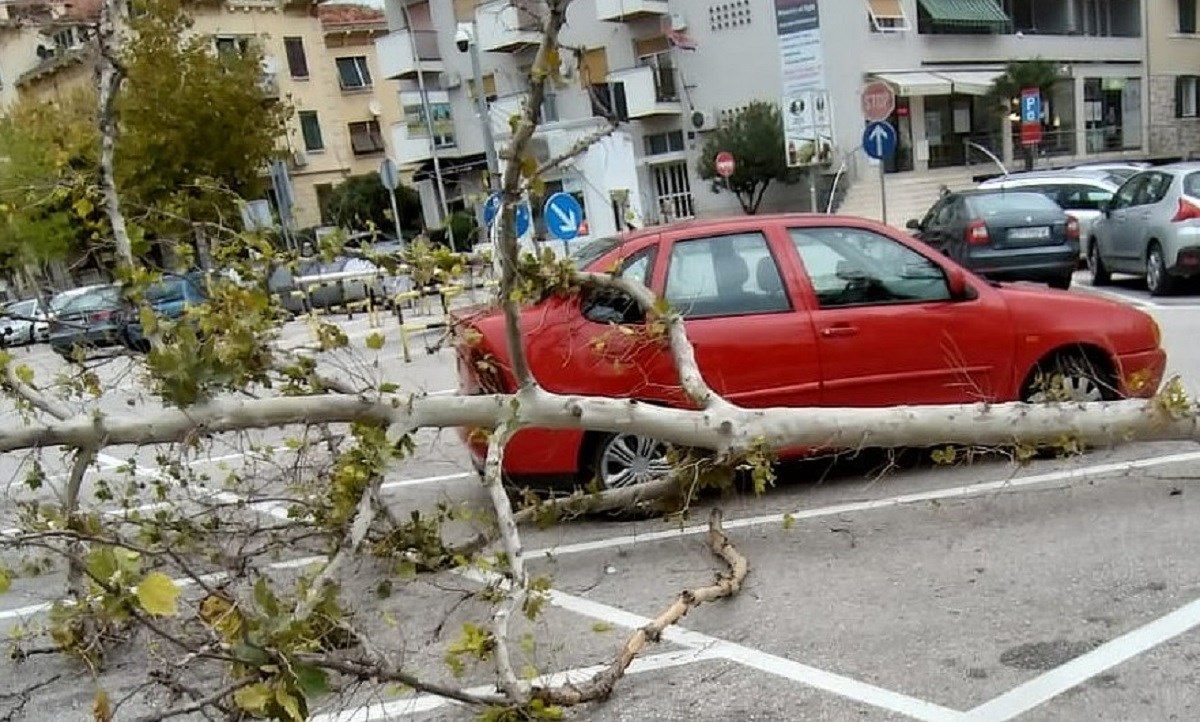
x,y
362,203
755,138
1021,74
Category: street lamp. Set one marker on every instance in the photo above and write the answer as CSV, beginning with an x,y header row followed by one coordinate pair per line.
x,y
464,39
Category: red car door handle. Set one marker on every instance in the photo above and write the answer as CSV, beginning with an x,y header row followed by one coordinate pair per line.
x,y
832,331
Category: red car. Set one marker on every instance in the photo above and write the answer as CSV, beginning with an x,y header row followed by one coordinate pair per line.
x,y
797,310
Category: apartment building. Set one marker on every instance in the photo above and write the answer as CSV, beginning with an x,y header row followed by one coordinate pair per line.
x,y
1173,54
320,58
675,69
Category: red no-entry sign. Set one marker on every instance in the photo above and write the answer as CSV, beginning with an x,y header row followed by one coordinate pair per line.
x,y
725,164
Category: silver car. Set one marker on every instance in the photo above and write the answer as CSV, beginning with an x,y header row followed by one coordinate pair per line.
x,y
1152,228
1081,192
24,322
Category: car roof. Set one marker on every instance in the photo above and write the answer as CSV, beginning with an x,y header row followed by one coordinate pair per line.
x,y
1181,167
1089,174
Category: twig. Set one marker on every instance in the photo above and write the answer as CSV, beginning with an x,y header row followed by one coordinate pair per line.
x,y
199,704
727,584
366,671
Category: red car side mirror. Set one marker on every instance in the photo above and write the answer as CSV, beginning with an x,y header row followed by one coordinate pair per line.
x,y
957,282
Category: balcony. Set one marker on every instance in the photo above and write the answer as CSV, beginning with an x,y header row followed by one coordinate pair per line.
x,y
649,91
268,83
410,137
626,10
404,53
506,28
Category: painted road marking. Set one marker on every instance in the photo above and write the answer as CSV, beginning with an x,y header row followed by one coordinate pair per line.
x,y
850,507
401,483
1041,689
424,703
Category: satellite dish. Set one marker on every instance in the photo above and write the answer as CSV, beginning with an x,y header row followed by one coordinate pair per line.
x,y
375,108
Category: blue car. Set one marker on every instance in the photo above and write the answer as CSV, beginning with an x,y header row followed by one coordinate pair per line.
x,y
169,298
88,318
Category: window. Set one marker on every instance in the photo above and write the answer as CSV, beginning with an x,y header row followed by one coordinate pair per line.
x,y
673,191
669,142
608,100
1082,198
366,138
353,73
724,276
232,46
1187,96
854,267
65,39
612,306
1154,190
1187,15
443,122
887,16
665,88
593,66
324,193
489,88
310,128
1191,185
1127,193
297,60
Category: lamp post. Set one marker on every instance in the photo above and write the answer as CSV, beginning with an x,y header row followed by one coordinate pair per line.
x,y
466,42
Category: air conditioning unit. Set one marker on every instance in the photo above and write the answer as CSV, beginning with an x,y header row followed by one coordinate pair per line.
x,y
678,22
299,159
449,80
703,121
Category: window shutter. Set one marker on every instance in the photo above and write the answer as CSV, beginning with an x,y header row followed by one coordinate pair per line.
x,y
1195,84
1187,16
1179,88
651,46
593,67
464,10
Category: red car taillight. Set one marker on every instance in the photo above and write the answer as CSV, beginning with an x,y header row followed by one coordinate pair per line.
x,y
1072,228
977,234
99,316
1187,211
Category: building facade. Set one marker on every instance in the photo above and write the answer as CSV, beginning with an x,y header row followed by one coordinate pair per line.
x,y
1173,53
319,58
675,69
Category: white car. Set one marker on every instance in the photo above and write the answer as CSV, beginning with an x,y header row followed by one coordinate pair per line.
x,y
24,322
1081,192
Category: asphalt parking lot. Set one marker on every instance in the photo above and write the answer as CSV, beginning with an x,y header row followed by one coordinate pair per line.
x,y
1060,590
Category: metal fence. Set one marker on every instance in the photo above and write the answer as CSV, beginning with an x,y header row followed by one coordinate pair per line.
x,y
1166,141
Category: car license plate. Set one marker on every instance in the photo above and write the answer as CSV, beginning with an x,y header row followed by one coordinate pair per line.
x,y
1037,233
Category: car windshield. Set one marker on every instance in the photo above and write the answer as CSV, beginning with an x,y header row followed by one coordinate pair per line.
x,y
991,204
86,300
165,291
22,309
585,255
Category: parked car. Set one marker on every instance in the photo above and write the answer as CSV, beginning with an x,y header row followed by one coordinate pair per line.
x,y
1122,169
169,298
1004,235
24,322
1152,228
333,283
1081,193
796,310
89,317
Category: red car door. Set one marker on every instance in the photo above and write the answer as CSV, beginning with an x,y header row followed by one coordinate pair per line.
x,y
888,332
754,345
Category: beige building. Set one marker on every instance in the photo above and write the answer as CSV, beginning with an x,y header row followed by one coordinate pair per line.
x,y
1173,53
319,58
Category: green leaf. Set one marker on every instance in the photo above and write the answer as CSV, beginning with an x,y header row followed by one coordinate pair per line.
x,y
375,341
253,698
249,654
5,580
159,595
290,704
388,387
25,374
265,599
789,521
601,627
312,681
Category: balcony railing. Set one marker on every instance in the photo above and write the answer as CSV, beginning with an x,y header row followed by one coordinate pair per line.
x,y
508,26
404,53
650,90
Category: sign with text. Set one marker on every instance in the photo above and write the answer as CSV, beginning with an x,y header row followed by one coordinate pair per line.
x,y
807,120
1031,116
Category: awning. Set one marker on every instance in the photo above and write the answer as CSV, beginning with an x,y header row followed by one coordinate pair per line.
x,y
972,82
916,83
965,13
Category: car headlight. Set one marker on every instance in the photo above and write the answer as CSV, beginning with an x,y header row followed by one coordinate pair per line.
x,y
1155,330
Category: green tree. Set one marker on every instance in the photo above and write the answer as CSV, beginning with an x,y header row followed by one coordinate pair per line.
x,y
197,128
361,202
755,138
1019,75
49,200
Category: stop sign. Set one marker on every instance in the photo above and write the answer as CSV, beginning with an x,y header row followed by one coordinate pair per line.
x,y
878,101
725,164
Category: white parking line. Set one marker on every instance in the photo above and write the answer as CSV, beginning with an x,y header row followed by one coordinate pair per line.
x,y
935,494
424,703
144,508
716,647
401,483
1041,689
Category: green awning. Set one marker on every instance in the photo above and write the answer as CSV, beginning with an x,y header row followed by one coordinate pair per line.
x,y
966,13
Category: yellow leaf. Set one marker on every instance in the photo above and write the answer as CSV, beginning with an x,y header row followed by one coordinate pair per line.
x,y
101,708
289,703
375,341
5,580
158,595
25,374
253,698
788,521
528,166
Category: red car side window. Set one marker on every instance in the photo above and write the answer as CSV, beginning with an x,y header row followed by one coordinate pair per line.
x,y
730,275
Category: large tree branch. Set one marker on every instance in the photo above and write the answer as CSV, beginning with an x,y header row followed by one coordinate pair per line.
x,y
510,537
111,75
722,429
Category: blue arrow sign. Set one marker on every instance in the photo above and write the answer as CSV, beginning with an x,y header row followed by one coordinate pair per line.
x,y
491,209
1031,106
879,139
563,216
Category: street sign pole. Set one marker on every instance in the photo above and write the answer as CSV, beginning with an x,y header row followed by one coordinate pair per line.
x,y
882,193
879,142
391,179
